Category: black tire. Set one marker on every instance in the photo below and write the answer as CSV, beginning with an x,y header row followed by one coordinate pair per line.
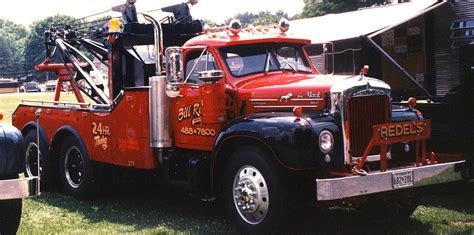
x,y
31,163
398,205
10,215
404,204
258,175
76,171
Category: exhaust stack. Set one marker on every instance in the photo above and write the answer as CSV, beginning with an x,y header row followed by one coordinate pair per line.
x,y
159,113
160,133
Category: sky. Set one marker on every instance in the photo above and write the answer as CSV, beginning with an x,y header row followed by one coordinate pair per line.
x,y
26,11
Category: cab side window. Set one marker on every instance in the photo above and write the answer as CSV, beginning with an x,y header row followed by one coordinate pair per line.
x,y
197,61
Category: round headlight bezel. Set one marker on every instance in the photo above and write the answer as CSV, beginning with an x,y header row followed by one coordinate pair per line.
x,y
326,141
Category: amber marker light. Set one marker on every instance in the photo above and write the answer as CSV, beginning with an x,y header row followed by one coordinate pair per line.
x,y
412,102
364,70
298,111
114,25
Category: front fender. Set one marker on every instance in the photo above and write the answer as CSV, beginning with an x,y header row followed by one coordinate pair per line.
x,y
293,142
404,114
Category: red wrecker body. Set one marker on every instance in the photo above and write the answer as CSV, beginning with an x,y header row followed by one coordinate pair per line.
x,y
241,112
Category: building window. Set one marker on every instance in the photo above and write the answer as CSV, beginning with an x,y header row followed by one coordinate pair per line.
x,y
462,33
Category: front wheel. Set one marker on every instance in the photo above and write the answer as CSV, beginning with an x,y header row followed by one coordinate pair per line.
x,y
77,172
254,191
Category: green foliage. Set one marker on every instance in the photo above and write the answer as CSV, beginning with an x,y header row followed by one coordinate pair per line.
x,y
262,18
15,30
210,23
22,49
12,42
6,57
315,8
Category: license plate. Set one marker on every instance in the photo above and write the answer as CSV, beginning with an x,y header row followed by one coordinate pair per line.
x,y
402,179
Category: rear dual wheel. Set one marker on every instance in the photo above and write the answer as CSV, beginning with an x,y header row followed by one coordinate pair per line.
x,y
76,171
31,160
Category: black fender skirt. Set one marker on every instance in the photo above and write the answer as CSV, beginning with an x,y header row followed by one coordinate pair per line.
x,y
293,141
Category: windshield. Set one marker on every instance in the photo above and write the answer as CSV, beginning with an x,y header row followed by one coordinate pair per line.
x,y
248,59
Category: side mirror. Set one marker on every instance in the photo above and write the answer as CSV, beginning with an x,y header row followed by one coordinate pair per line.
x,y
174,71
174,65
211,76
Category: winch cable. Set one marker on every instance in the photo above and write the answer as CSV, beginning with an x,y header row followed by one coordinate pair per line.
x,y
79,23
83,18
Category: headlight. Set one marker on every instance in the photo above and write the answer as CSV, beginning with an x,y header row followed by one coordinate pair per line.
x,y
326,141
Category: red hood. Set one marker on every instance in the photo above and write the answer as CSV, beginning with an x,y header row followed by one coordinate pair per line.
x,y
267,91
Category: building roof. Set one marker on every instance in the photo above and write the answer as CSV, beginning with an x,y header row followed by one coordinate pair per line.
x,y
368,21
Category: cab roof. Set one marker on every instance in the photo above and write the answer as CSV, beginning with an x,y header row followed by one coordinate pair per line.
x,y
222,39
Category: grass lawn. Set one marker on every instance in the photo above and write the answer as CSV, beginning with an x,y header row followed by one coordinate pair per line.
x,y
151,208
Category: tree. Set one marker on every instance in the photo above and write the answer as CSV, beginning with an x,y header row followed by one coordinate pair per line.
x,y
6,57
12,42
315,8
210,23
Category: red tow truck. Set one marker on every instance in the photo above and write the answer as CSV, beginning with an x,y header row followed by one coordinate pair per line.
x,y
238,113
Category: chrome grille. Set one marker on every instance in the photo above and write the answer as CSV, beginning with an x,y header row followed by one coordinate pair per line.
x,y
363,113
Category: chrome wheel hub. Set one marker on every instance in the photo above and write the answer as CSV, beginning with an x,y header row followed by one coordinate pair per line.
x,y
250,193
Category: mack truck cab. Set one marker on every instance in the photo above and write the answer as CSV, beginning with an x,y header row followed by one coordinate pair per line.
x,y
12,188
237,114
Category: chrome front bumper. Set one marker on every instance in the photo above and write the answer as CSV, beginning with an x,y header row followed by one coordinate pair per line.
x,y
345,187
19,188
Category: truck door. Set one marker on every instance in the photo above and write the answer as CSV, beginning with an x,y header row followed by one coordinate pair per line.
x,y
189,127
